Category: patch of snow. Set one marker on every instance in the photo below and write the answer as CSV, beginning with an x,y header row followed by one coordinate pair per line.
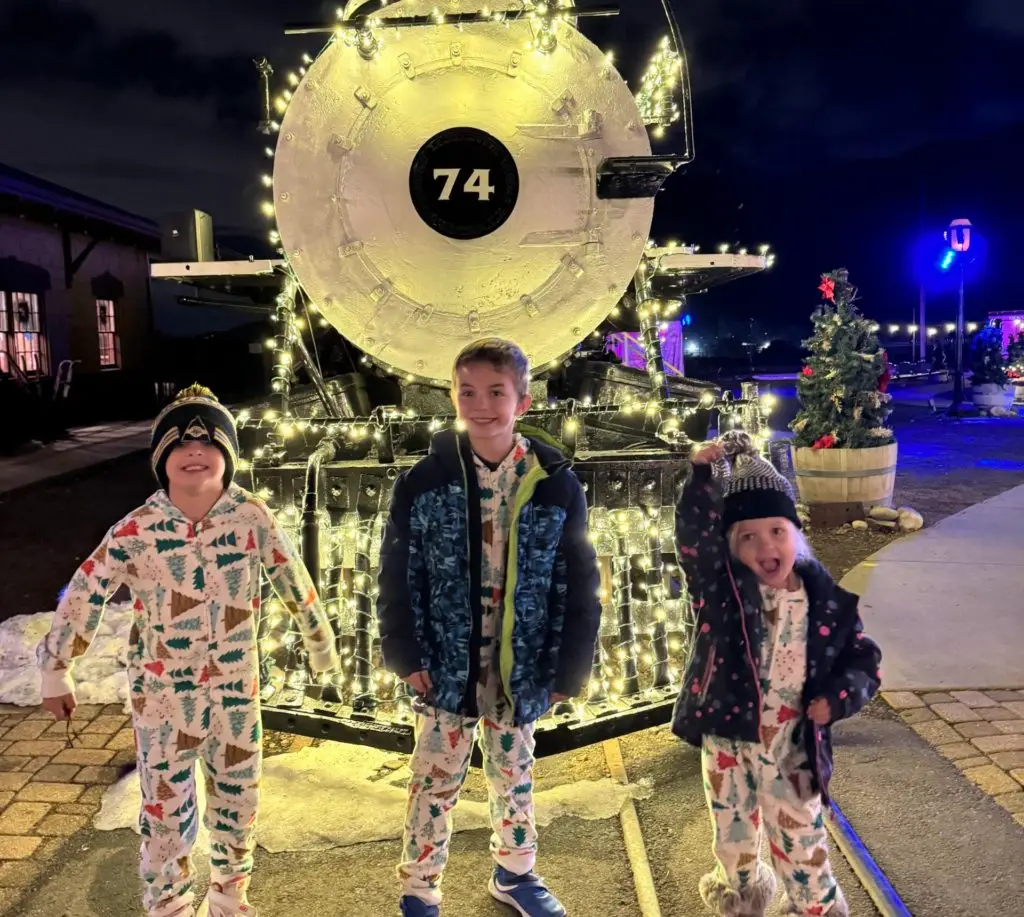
x,y
99,675
319,798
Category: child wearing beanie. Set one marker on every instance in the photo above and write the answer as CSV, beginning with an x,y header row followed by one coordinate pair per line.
x,y
779,656
192,556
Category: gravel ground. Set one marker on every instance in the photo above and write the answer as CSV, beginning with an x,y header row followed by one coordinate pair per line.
x,y
944,467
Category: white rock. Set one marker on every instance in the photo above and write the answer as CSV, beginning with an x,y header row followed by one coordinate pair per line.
x,y
884,513
860,525
910,519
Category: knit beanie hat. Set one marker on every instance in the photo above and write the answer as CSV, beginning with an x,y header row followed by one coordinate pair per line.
x,y
753,488
195,415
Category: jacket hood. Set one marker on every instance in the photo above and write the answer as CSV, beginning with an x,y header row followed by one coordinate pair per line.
x,y
447,445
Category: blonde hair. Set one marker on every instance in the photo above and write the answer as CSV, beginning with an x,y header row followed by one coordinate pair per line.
x,y
803,547
503,355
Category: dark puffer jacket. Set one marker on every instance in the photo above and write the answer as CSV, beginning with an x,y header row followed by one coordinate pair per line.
x,y
721,693
429,597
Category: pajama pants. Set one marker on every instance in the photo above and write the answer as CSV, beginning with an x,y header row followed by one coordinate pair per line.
x,y
751,792
440,762
218,726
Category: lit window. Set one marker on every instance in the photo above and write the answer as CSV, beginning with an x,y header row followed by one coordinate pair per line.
x,y
5,332
28,334
110,341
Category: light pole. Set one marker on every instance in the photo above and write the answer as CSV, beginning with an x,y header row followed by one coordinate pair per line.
x,y
958,236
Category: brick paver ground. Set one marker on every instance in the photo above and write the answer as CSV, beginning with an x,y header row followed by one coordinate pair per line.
x,y
49,791
981,732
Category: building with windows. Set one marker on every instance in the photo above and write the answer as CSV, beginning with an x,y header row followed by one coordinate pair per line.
x,y
1011,325
74,300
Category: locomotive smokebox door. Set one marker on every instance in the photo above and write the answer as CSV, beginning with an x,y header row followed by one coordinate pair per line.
x,y
440,185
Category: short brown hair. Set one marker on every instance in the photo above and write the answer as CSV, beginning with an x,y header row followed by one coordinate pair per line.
x,y
502,355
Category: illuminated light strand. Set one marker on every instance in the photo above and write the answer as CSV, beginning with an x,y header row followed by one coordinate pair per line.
x,y
660,626
656,96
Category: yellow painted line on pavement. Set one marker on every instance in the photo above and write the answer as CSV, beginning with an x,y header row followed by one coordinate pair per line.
x,y
636,851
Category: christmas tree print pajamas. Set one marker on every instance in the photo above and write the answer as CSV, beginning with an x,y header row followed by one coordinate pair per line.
x,y
765,788
193,677
444,741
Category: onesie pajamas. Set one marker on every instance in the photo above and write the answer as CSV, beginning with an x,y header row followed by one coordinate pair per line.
x,y
444,741
765,788
193,677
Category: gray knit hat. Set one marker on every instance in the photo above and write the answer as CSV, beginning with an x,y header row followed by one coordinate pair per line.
x,y
753,488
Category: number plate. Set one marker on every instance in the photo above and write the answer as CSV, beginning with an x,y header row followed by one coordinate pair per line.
x,y
464,183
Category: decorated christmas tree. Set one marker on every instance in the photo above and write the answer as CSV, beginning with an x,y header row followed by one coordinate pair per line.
x,y
988,365
842,389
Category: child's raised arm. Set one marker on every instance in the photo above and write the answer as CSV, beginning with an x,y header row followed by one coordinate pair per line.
x,y
80,610
290,580
699,538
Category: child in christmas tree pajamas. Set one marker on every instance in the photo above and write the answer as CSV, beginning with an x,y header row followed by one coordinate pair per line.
x,y
488,609
780,655
191,556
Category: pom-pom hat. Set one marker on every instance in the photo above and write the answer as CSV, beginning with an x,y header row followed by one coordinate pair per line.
x,y
753,489
195,415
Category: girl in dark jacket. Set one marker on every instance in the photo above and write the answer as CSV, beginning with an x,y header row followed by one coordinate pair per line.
x,y
780,655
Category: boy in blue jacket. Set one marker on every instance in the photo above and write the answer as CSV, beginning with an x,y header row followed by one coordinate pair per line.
x,y
488,609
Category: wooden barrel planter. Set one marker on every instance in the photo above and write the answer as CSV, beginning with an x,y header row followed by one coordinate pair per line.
x,y
841,485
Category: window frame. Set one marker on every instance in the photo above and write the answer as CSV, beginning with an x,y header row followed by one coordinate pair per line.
x,y
41,351
113,334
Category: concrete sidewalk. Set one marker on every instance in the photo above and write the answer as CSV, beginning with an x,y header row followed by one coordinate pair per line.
x,y
86,446
945,604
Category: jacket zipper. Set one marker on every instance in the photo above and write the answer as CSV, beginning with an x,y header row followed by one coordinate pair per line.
x,y
822,784
474,648
506,661
746,644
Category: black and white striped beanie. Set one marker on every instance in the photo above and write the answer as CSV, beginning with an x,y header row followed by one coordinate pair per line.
x,y
753,489
194,415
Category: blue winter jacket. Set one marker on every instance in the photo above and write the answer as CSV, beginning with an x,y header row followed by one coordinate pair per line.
x,y
429,606
720,694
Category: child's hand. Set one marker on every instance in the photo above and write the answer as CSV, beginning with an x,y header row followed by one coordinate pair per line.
x,y
61,706
420,683
708,454
820,712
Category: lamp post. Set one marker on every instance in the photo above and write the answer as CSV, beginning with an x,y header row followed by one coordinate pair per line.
x,y
958,237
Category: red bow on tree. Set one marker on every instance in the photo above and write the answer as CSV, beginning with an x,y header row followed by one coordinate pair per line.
x,y
883,382
826,442
828,288
807,371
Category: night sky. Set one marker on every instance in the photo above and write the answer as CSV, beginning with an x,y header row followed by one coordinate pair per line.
x,y
838,131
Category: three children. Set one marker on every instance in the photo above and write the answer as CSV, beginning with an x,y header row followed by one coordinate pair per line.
x,y
488,609
192,556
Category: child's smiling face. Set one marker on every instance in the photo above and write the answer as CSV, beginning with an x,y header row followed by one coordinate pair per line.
x,y
768,547
487,402
195,466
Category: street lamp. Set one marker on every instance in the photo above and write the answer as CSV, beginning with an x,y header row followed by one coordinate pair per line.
x,y
958,238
